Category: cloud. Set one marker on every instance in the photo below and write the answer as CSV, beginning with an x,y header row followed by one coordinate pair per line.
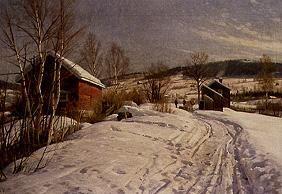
x,y
263,45
170,29
180,50
254,2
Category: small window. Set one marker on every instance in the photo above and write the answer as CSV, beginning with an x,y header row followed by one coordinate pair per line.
x,y
64,96
220,91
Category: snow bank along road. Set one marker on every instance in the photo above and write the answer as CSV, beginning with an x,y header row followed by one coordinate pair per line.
x,y
155,153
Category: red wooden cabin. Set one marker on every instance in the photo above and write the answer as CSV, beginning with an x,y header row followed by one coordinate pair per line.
x,y
79,88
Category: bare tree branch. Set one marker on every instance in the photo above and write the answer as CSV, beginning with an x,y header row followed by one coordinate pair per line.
x,y
116,62
198,70
157,83
91,55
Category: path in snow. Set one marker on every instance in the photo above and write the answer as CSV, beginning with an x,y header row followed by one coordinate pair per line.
x,y
153,153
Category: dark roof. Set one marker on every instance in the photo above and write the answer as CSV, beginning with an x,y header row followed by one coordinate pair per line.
x,y
207,87
209,98
218,83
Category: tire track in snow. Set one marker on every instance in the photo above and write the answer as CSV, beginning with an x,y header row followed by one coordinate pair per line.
x,y
245,177
203,139
206,171
215,175
164,181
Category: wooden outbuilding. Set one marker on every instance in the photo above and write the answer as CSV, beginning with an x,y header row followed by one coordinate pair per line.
x,y
79,88
211,99
215,96
218,86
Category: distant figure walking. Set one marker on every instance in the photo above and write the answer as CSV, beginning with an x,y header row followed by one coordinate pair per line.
x,y
175,102
184,102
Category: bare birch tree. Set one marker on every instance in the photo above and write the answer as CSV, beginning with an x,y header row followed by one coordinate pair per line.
x,y
116,62
66,32
91,55
157,83
197,69
265,77
28,25
32,28
17,51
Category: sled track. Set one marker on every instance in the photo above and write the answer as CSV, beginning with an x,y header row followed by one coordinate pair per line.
x,y
209,162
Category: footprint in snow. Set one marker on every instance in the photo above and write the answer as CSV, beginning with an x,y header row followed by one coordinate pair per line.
x,y
187,162
170,143
113,128
83,171
119,171
120,191
68,166
72,190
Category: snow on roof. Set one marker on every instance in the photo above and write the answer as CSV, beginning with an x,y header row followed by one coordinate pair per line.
x,y
206,96
78,71
212,90
74,69
216,81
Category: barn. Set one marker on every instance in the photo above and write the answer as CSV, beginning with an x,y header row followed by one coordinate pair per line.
x,y
211,99
79,88
219,87
215,96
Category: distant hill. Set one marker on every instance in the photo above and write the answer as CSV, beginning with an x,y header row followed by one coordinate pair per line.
x,y
228,68
240,68
234,68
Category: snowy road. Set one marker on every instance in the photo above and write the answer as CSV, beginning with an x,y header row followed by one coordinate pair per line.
x,y
154,153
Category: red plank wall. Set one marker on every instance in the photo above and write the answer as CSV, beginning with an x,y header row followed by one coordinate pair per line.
x,y
87,95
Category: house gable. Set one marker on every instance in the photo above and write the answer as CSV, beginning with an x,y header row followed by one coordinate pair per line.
x,y
218,92
70,66
79,89
212,99
216,84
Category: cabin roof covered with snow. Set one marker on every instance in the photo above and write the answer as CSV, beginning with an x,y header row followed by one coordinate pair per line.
x,y
80,73
215,92
74,69
218,83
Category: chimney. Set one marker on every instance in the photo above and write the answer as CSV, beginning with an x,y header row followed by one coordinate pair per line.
x,y
220,79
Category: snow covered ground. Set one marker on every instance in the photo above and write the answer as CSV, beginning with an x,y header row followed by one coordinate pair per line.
x,y
204,152
263,132
186,88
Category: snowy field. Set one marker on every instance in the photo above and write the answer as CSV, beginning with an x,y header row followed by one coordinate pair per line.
x,y
185,88
203,152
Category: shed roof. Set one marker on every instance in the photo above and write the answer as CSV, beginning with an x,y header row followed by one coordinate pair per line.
x,y
219,83
207,87
74,69
209,98
79,72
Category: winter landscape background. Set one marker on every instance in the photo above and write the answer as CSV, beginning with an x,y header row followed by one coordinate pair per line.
x,y
140,96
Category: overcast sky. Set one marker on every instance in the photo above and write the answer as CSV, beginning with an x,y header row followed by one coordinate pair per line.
x,y
169,30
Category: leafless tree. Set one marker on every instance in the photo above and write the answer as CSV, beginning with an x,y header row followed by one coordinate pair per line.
x,y
91,55
27,25
265,77
198,70
157,83
32,28
116,62
65,34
